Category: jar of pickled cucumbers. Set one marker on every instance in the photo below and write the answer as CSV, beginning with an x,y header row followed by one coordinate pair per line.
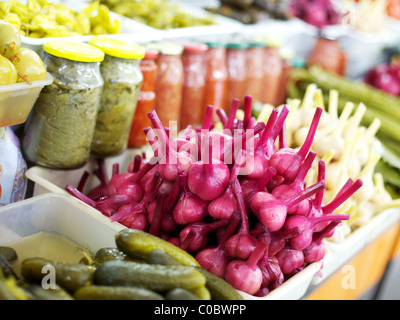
x,y
123,79
59,132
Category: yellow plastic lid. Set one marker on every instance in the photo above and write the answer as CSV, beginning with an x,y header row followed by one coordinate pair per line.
x,y
118,48
75,51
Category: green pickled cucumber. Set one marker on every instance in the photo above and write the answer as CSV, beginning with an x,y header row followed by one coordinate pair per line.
x,y
9,253
219,288
138,244
180,294
161,257
115,293
58,293
6,268
153,277
68,276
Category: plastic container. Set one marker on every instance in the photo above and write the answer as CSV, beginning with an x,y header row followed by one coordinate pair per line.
x,y
194,81
123,79
146,100
59,214
17,100
60,131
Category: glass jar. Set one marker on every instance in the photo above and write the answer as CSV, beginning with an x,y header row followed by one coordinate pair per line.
x,y
272,73
194,80
236,82
216,76
169,82
13,182
328,55
59,132
146,100
123,78
255,73
285,76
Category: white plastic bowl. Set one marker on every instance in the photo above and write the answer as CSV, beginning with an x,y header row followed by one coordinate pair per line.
x,y
17,100
59,214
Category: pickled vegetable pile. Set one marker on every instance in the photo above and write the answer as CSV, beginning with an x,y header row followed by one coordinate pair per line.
x,y
44,19
236,200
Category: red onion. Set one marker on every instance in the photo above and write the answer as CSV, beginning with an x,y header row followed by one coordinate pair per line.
x,y
290,260
189,208
284,191
243,243
215,259
272,211
246,276
287,161
208,179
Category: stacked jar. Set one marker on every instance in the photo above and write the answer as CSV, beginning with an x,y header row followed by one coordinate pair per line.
x,y
169,83
216,76
146,100
123,78
60,129
194,84
237,78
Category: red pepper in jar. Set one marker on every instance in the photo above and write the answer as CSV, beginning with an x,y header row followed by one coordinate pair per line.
x,y
236,64
146,100
169,82
216,76
194,80
328,55
272,73
255,73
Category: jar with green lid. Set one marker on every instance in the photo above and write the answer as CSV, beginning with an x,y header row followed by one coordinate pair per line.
x,y
123,79
60,129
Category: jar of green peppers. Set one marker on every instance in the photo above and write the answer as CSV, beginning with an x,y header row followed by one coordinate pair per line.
x,y
123,79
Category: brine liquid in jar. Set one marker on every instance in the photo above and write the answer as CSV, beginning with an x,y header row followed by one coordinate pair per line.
x,y
237,73
216,77
194,80
146,100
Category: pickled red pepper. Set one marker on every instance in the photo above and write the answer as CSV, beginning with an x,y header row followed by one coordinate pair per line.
x,y
169,82
255,73
146,100
272,74
194,68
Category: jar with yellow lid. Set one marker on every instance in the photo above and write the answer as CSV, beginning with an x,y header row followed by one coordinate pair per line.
x,y
59,132
123,79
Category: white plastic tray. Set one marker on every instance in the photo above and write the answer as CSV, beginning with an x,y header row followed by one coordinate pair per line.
x,y
17,100
59,214
356,241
